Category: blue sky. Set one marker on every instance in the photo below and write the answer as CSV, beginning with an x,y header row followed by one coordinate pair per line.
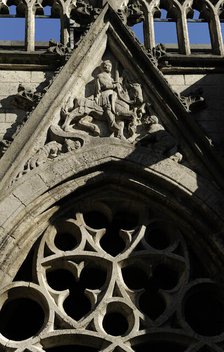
x,y
47,28
165,32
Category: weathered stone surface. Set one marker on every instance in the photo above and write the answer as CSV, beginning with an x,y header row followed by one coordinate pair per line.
x,y
111,204
10,115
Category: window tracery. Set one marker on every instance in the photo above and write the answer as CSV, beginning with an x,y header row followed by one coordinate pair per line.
x,y
48,21
111,274
12,15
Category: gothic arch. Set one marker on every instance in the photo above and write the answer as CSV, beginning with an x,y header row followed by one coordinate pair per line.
x,y
141,194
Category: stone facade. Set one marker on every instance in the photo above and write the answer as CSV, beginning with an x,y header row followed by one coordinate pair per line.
x,y
210,117
12,114
111,205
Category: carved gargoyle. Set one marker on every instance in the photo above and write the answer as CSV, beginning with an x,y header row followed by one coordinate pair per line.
x,y
194,101
135,13
159,51
58,48
26,98
84,12
132,13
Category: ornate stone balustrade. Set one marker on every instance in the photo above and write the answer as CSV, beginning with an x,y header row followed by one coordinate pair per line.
x,y
77,15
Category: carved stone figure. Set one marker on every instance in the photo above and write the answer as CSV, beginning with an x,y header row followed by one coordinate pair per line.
x,y
106,94
115,102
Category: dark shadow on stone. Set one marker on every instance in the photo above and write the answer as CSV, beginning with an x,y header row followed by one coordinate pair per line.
x,y
210,119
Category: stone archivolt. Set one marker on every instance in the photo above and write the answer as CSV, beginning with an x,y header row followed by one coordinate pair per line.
x,y
96,251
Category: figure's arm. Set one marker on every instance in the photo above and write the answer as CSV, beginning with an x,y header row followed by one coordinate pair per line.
x,y
97,89
106,82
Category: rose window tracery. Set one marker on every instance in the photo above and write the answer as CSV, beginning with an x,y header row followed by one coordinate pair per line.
x,y
112,276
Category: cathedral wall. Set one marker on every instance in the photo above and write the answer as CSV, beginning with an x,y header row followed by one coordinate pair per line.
x,y
11,114
210,119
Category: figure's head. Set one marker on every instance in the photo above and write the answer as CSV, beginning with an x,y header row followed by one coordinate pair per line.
x,y
106,66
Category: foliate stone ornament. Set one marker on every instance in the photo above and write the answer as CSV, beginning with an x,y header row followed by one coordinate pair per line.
x,y
151,55
50,150
155,54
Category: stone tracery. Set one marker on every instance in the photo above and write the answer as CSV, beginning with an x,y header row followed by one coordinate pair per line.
x,y
113,276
